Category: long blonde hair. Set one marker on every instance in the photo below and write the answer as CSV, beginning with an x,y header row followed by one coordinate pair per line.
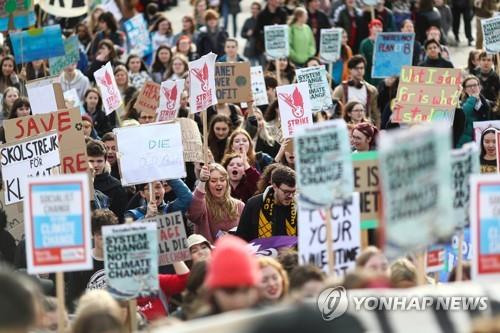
x,y
298,12
269,261
228,206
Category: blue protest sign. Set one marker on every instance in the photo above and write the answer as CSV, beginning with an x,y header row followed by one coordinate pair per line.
x,y
37,44
392,50
139,40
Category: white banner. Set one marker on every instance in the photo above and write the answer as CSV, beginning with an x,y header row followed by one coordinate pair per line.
x,y
295,107
106,82
170,99
202,92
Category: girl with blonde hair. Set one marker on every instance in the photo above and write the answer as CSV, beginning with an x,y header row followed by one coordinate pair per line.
x,y
213,211
241,143
274,284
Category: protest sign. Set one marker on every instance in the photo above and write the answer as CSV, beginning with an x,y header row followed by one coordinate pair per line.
x,y
323,163
330,44
191,140
72,147
170,99
259,91
106,82
491,34
270,246
48,94
72,100
295,107
110,6
131,259
202,93
435,259
71,56
14,217
139,40
64,8
481,126
485,227
33,157
57,220
37,43
346,236
427,94
172,239
319,88
451,252
464,163
148,98
232,82
150,152
276,41
367,184
391,52
22,13
416,183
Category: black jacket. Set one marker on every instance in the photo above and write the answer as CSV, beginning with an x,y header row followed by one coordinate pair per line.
x,y
264,18
112,187
424,20
206,44
317,21
436,63
490,84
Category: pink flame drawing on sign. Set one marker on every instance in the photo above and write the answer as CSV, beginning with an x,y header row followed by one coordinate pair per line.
x,y
108,83
202,76
295,102
170,96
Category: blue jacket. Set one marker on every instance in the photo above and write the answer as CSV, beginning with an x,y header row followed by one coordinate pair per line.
x,y
182,203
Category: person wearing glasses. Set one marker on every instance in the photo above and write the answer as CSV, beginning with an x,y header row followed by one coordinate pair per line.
x,y
357,89
272,213
474,106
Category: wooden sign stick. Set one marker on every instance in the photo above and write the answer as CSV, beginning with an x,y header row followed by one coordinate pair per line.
x,y
329,241
420,265
132,315
61,318
278,72
205,136
459,275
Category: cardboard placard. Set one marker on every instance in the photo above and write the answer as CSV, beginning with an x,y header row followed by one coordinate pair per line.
x,y
71,56
346,237
232,82
367,184
149,97
392,51
295,107
37,44
150,152
57,217
485,227
259,91
491,34
319,87
202,91
131,259
427,94
276,41
68,124
415,177
31,157
323,163
191,140
48,94
172,239
330,44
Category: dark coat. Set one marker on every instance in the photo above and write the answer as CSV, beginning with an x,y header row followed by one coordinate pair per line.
x,y
424,20
205,44
264,18
112,187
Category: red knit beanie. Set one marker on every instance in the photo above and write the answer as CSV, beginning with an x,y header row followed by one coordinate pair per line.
x,y
232,265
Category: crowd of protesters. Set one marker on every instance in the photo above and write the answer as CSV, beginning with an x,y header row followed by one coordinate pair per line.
x,y
248,189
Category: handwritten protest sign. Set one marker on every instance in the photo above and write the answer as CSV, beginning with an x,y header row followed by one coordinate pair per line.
x,y
491,34
36,44
57,217
148,98
65,8
170,99
346,236
391,52
295,107
48,94
276,41
464,163
14,217
172,239
416,183
106,82
22,13
131,259
323,163
232,82
427,94
71,56
330,44
485,227
258,86
33,157
319,88
202,93
139,40
149,153
367,184
191,140
72,148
